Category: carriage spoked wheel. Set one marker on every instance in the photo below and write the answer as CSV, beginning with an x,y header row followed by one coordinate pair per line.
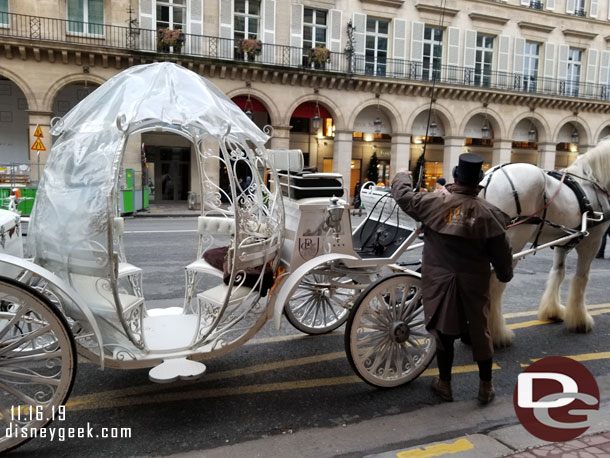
x,y
385,338
321,302
37,362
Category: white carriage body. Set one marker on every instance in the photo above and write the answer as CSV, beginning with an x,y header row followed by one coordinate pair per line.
x,y
11,241
76,233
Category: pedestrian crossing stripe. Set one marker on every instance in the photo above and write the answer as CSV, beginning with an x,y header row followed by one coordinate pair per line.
x,y
38,132
38,145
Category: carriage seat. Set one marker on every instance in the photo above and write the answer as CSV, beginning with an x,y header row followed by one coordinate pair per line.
x,y
297,183
210,225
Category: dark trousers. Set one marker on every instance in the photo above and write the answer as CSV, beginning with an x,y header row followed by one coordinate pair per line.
x,y
444,360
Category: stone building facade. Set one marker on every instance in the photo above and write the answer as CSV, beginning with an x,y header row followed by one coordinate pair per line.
x,y
343,80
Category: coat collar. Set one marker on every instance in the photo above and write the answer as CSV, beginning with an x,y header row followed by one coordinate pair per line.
x,y
456,188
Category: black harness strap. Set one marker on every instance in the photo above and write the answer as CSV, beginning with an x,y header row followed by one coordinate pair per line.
x,y
570,182
512,185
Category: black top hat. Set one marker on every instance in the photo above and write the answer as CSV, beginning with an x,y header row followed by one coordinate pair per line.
x,y
468,170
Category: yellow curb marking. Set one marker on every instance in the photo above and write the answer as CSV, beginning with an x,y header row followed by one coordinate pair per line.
x,y
460,445
534,312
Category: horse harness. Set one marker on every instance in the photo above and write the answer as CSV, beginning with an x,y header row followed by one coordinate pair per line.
x,y
564,178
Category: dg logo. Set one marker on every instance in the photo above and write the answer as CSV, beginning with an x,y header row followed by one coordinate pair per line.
x,y
556,398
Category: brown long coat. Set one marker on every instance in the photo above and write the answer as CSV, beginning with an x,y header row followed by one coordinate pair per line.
x,y
463,235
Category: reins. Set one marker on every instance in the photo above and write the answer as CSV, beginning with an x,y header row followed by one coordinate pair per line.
x,y
544,207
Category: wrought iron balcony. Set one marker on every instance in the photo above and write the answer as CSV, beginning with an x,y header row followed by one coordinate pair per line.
x,y
535,4
580,12
139,41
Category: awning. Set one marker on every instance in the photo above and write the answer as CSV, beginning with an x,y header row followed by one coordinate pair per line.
x,y
308,110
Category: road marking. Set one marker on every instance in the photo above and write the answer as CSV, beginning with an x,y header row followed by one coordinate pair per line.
x,y
535,312
161,232
527,324
460,445
100,399
145,394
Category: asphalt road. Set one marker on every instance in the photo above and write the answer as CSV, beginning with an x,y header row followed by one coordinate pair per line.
x,y
281,381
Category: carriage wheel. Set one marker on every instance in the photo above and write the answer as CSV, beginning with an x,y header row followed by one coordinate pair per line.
x,y
37,362
321,303
385,338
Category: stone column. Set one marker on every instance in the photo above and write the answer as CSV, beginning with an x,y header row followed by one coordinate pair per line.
x,y
400,154
546,155
502,152
38,159
342,156
454,146
281,137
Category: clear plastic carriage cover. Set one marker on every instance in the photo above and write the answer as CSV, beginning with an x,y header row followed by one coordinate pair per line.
x,y
75,199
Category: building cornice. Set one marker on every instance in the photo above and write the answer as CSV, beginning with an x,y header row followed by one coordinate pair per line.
x,y
435,10
535,26
579,34
269,74
486,18
395,3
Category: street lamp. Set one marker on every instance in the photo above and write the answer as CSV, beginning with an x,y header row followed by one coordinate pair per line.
x,y
316,121
575,136
433,126
531,134
248,108
485,130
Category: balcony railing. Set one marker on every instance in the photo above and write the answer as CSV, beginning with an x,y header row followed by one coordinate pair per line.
x,y
145,41
535,4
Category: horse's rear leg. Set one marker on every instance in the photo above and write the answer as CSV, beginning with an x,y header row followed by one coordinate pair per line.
x,y
577,318
501,335
550,305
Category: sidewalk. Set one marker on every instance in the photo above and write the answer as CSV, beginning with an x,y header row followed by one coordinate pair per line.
x,y
167,209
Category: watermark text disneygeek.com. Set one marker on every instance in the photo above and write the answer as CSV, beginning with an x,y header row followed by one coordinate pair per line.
x,y
61,433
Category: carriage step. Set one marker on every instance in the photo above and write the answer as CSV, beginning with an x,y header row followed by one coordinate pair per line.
x,y
171,370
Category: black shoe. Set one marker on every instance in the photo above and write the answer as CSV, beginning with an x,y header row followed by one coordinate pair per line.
x,y
599,256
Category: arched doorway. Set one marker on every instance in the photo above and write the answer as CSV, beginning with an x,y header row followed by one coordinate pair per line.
x,y
14,134
604,133
525,142
434,143
70,95
479,138
371,147
568,139
313,132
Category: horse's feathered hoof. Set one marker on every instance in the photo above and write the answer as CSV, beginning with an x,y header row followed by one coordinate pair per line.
x,y
557,313
503,338
582,325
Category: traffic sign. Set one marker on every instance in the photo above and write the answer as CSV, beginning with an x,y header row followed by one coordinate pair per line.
x,y
38,145
38,132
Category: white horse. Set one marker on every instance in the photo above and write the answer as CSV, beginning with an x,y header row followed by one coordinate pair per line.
x,y
534,190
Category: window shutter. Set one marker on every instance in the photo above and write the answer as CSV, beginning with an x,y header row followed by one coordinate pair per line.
x,y
453,46
594,8
503,55
399,47
195,27
570,6
334,38
518,55
550,5
549,67
562,66
470,46
335,28
359,23
268,26
592,56
417,49
148,38
296,34
604,64
225,44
